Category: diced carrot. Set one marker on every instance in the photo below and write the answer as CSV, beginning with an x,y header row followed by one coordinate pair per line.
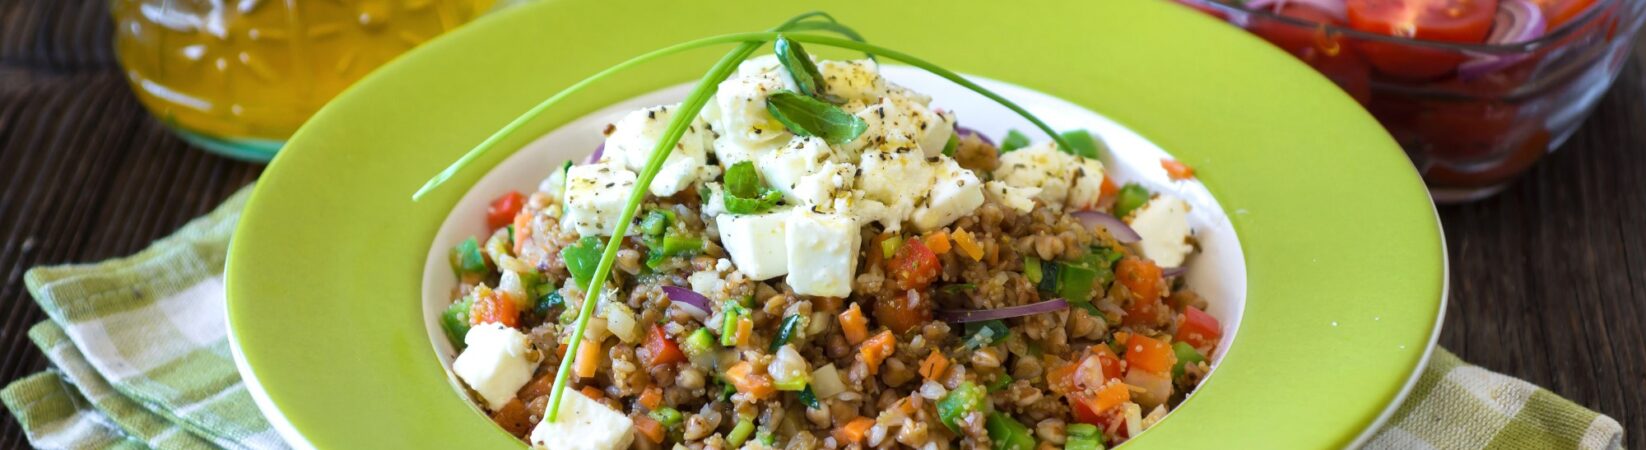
x,y
513,418
1062,379
876,349
746,381
1108,189
745,329
1112,394
538,387
651,398
588,359
522,230
593,392
561,352
938,241
494,307
854,325
1152,355
1175,170
967,244
934,366
651,429
854,431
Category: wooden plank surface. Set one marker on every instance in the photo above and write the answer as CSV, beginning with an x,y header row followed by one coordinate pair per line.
x,y
1548,278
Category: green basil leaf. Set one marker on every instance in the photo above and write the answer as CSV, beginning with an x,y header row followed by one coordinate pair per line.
x,y
1084,144
803,70
808,116
742,180
1014,140
756,205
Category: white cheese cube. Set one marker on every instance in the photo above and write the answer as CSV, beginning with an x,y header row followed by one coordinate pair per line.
x,y
899,178
820,189
494,365
901,118
1086,187
822,253
853,80
738,111
1018,198
635,136
595,195
1040,166
584,424
1163,223
956,193
756,243
783,167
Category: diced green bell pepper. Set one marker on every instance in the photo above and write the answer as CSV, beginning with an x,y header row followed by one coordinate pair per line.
x,y
1009,434
1131,197
959,402
468,257
1082,436
1186,354
1014,140
455,320
581,259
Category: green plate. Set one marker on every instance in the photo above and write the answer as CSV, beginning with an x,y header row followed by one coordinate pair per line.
x,y
1343,253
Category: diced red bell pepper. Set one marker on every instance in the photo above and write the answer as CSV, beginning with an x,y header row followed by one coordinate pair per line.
x,y
502,210
1198,329
661,349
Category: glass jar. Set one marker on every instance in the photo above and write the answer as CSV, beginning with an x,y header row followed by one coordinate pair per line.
x,y
237,77
1469,131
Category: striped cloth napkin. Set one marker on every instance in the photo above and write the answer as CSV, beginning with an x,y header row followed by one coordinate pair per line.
x,y
141,360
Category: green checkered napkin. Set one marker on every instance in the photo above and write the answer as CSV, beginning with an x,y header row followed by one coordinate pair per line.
x,y
142,361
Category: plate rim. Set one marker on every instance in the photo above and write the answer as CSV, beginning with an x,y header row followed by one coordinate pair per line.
x,y
353,95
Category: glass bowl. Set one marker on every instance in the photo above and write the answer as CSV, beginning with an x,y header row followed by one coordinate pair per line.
x,y
1471,116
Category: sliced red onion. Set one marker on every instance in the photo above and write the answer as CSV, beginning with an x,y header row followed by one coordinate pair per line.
x,y
963,131
1337,9
1517,21
691,301
1117,228
598,151
979,315
1173,271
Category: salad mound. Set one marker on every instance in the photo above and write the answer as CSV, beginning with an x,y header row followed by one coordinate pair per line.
x,y
822,259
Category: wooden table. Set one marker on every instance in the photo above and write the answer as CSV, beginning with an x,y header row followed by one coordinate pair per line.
x,y
1548,278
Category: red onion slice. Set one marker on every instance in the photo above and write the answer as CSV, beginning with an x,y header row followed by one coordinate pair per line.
x,y
963,131
1173,271
1337,9
691,301
1517,21
598,151
979,315
1117,228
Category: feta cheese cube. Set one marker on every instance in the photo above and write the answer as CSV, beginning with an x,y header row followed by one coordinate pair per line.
x,y
756,243
831,181
784,167
822,252
853,80
1040,166
897,178
1086,187
901,118
738,112
584,424
1163,223
595,195
633,138
955,194
1018,198
494,365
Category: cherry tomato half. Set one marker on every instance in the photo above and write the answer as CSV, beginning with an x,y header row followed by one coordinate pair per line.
x,y
1464,21
1558,12
502,210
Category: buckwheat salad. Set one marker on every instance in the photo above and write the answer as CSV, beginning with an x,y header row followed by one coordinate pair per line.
x,y
825,260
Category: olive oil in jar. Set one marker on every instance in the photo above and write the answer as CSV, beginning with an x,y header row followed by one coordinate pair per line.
x,y
239,76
